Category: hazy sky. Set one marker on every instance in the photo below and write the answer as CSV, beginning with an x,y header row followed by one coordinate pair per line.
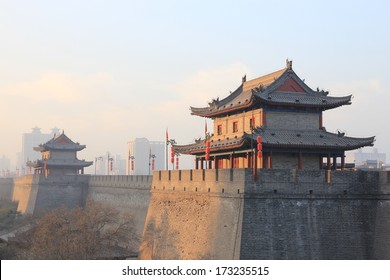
x,y
109,71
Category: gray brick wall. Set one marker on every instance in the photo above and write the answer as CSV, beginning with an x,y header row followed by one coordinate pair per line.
x,y
284,214
292,120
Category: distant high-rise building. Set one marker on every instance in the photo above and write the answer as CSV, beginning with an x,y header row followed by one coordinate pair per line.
x,y
144,156
119,165
31,140
5,165
369,154
369,159
108,164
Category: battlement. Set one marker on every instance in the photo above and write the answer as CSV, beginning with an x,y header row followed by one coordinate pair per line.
x,y
274,181
121,181
224,181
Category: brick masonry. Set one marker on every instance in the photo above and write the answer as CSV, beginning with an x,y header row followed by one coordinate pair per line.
x,y
293,120
285,214
37,194
225,214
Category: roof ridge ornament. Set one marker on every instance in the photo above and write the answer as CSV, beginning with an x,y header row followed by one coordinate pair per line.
x,y
244,79
289,64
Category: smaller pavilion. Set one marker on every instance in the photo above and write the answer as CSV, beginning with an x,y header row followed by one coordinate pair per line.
x,y
59,157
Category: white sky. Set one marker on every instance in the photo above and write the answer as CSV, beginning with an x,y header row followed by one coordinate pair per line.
x,y
109,71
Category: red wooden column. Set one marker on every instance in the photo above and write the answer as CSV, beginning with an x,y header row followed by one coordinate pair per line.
x,y
215,162
210,164
270,160
300,160
328,162
196,163
231,163
334,163
342,162
263,120
201,163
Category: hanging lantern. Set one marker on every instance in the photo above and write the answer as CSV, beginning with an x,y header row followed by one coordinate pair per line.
x,y
259,147
177,163
172,155
132,165
152,164
207,150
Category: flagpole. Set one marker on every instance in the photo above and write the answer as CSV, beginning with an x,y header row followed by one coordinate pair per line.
x,y
166,149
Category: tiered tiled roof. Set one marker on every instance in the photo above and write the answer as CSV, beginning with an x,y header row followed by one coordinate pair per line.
x,y
268,90
309,139
297,99
50,163
275,138
60,142
219,145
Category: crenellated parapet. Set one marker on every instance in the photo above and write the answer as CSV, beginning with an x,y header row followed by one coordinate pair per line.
x,y
273,181
121,181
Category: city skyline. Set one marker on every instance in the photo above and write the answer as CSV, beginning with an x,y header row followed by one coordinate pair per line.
x,y
108,73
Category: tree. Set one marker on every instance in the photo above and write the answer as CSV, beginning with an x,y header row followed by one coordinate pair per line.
x,y
96,231
8,214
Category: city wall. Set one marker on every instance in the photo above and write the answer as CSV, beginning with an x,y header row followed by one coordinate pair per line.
x,y
128,194
225,214
284,214
194,214
6,188
36,194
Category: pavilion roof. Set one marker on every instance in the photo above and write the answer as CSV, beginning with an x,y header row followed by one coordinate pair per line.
x,y
199,146
298,99
312,139
271,90
275,138
53,163
60,142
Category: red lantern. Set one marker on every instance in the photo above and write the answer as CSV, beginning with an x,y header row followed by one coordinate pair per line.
x,y
110,165
152,164
207,150
132,165
172,155
259,146
177,163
